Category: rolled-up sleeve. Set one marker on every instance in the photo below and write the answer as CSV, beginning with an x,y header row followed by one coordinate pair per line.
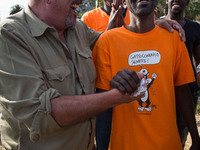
x,y
25,97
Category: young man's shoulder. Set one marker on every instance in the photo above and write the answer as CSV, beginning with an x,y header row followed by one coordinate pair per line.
x,y
92,13
192,22
193,25
113,31
166,32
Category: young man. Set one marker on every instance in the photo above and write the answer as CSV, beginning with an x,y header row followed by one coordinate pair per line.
x,y
98,20
192,31
165,11
149,123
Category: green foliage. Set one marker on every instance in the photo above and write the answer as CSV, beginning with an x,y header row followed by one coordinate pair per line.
x,y
16,8
80,14
192,11
92,3
100,3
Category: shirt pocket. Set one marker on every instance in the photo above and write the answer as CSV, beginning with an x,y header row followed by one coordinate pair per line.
x,y
55,76
87,64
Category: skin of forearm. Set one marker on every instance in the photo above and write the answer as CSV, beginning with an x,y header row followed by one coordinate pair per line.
x,y
70,110
185,106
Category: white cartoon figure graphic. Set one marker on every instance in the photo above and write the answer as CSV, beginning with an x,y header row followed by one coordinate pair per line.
x,y
145,99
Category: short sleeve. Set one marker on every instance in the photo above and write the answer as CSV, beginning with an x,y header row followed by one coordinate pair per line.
x,y
101,57
183,68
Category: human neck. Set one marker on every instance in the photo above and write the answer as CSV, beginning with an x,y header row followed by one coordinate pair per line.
x,y
62,37
141,24
107,9
179,18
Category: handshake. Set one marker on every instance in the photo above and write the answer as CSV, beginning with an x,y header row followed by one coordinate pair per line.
x,y
130,82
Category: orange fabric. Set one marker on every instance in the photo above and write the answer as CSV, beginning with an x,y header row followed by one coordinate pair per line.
x,y
97,19
162,54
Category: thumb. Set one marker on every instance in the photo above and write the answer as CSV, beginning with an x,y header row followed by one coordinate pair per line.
x,y
140,75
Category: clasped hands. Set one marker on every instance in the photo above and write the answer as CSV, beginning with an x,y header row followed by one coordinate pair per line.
x,y
127,82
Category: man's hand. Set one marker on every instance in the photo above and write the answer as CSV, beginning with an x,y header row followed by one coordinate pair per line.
x,y
170,25
126,81
116,16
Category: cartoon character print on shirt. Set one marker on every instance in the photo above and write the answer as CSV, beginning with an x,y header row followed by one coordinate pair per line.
x,y
145,99
147,57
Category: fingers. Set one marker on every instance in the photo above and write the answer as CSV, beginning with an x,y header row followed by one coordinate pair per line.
x,y
180,30
164,24
133,75
119,10
141,95
175,25
140,75
116,83
126,81
117,4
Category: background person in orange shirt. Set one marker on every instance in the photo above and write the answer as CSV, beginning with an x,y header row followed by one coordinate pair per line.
x,y
142,46
98,18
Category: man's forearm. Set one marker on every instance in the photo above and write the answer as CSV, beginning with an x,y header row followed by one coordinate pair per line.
x,y
69,110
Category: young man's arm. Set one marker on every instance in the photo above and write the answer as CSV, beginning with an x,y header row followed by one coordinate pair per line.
x,y
196,52
125,81
185,106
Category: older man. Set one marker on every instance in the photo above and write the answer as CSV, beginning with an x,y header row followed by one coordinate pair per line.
x,y
45,65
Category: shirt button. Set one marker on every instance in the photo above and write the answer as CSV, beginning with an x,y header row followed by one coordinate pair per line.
x,y
35,137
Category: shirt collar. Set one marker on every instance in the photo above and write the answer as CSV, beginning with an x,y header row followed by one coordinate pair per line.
x,y
37,27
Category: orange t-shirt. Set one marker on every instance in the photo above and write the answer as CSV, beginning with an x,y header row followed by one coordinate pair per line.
x,y
97,19
164,59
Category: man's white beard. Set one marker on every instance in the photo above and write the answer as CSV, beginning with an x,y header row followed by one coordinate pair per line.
x,y
70,23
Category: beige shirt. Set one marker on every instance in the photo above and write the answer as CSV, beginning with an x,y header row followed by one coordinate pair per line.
x,y
35,67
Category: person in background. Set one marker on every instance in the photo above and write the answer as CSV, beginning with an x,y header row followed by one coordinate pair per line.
x,y
176,10
150,122
157,13
98,18
165,11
